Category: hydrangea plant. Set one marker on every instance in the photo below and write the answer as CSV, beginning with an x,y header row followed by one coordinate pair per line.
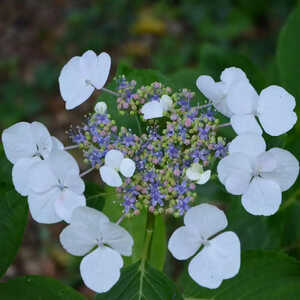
x,y
155,170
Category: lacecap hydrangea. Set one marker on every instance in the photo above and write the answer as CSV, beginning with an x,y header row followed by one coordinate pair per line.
x,y
155,167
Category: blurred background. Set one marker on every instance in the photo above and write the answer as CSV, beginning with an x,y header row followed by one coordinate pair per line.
x,y
197,37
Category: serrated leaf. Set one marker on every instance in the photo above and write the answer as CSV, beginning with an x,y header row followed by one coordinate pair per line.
x,y
13,220
263,275
37,288
142,284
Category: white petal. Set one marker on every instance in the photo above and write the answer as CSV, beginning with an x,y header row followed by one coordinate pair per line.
x,y
18,142
194,172
250,144
72,83
265,162
57,144
42,208
81,236
242,98
127,167
67,202
101,108
235,168
204,269
113,159
287,168
205,219
74,183
233,75
263,197
42,138
183,243
219,260
209,88
117,238
42,178
204,177
245,124
275,110
20,173
227,247
231,163
110,176
103,68
166,102
100,270
63,164
152,110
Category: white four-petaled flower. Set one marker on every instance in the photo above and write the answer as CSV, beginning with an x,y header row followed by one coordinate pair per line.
x,y
236,98
100,269
258,175
156,109
219,258
82,75
25,144
114,162
195,173
55,188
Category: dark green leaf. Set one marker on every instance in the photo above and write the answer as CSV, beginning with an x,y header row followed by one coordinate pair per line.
x,y
138,284
263,275
95,195
37,288
13,220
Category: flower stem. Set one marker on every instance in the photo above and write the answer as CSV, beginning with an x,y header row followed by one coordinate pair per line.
x,y
71,147
204,106
120,220
224,125
148,240
138,124
110,92
87,172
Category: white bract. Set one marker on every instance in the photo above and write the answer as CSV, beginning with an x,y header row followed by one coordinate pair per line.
x,y
258,175
101,108
25,144
156,109
196,173
55,188
236,98
219,258
115,162
82,75
100,269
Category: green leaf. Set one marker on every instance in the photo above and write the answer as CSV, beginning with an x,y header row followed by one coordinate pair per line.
x,y
37,288
142,284
95,195
288,54
263,275
13,220
136,226
255,232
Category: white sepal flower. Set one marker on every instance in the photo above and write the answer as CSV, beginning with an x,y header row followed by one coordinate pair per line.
x,y
82,75
258,175
115,162
196,173
101,108
219,258
55,188
156,109
236,98
25,144
100,269
218,92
